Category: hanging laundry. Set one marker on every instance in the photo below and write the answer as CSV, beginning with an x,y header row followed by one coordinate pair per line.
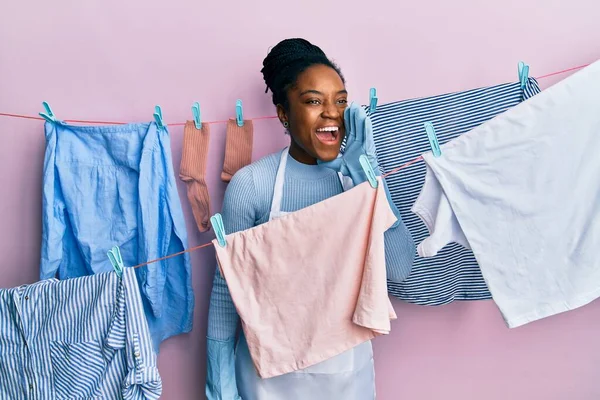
x,y
238,148
400,137
193,171
114,185
523,190
313,255
81,338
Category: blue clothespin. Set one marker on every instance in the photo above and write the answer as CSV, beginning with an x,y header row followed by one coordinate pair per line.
x,y
196,114
523,73
239,113
217,224
48,115
114,256
158,117
433,140
372,100
368,169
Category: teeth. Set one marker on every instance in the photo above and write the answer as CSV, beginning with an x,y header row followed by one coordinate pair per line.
x,y
328,129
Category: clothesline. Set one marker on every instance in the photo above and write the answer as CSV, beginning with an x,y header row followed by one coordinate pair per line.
x,y
198,247
77,121
201,246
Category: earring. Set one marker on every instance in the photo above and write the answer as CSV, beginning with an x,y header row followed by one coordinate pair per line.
x,y
286,124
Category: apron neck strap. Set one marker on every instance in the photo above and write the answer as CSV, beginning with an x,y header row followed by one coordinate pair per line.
x,y
279,180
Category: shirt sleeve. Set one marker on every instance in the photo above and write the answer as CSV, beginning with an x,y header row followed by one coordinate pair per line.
x,y
239,213
142,381
399,245
53,211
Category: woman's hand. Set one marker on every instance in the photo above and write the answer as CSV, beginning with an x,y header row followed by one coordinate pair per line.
x,y
359,141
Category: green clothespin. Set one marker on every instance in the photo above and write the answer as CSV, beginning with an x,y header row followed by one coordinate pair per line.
x,y
114,256
523,73
433,140
217,224
158,117
368,170
48,115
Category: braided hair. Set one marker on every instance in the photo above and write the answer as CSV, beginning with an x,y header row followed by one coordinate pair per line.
x,y
286,61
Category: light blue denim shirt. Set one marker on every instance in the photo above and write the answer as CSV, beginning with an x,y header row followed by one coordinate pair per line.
x,y
115,185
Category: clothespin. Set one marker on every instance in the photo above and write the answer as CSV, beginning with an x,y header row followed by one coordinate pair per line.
x,y
158,117
372,100
368,169
433,140
217,224
114,256
239,113
523,73
196,114
48,115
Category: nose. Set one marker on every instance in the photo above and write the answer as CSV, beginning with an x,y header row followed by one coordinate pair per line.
x,y
330,110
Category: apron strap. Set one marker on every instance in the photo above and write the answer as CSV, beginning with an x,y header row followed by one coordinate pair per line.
x,y
279,180
346,182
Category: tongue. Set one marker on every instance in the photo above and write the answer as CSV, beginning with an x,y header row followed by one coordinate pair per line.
x,y
326,136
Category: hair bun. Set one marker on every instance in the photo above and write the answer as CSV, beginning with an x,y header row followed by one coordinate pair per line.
x,y
288,59
286,53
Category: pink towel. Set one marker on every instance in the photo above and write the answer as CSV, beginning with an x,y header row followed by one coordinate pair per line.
x,y
312,284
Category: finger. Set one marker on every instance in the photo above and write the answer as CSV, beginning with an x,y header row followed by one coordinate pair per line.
x,y
369,140
349,125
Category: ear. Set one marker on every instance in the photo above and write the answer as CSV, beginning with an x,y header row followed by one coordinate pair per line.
x,y
281,114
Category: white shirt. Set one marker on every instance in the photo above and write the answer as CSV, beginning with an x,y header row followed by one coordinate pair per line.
x,y
523,192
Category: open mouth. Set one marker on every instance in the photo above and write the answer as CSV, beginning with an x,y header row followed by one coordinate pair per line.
x,y
328,134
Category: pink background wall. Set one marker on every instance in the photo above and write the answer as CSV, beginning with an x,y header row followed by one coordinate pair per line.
x,y
114,60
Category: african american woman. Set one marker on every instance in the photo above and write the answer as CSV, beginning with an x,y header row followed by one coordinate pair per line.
x,y
310,95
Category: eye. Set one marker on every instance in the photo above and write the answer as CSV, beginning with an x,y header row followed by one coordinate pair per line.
x,y
343,101
313,101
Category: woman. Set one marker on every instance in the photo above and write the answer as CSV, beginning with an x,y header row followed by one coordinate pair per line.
x,y
311,100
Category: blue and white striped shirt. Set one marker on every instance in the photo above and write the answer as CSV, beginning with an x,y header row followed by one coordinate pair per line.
x,y
81,338
400,137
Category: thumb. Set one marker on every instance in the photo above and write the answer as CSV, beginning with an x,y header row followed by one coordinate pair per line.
x,y
335,164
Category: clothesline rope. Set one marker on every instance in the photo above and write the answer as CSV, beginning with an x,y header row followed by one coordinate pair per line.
x,y
78,121
194,248
201,246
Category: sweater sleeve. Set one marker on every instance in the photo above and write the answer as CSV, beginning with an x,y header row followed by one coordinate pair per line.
x,y
400,250
239,213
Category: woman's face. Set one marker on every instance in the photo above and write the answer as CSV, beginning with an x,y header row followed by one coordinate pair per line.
x,y
315,116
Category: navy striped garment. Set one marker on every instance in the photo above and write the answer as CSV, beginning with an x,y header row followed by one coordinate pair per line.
x,y
81,338
399,138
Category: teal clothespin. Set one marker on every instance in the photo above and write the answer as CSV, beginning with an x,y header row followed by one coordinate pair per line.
x,y
196,114
368,169
158,117
523,73
48,115
239,113
114,256
372,100
217,224
433,140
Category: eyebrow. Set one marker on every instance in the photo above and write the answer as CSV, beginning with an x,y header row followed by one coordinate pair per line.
x,y
344,91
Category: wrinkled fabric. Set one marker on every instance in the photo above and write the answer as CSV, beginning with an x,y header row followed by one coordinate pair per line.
x,y
400,137
270,267
220,382
114,185
82,338
523,190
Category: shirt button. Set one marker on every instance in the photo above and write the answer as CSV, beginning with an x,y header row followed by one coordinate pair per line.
x,y
31,386
136,354
26,297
